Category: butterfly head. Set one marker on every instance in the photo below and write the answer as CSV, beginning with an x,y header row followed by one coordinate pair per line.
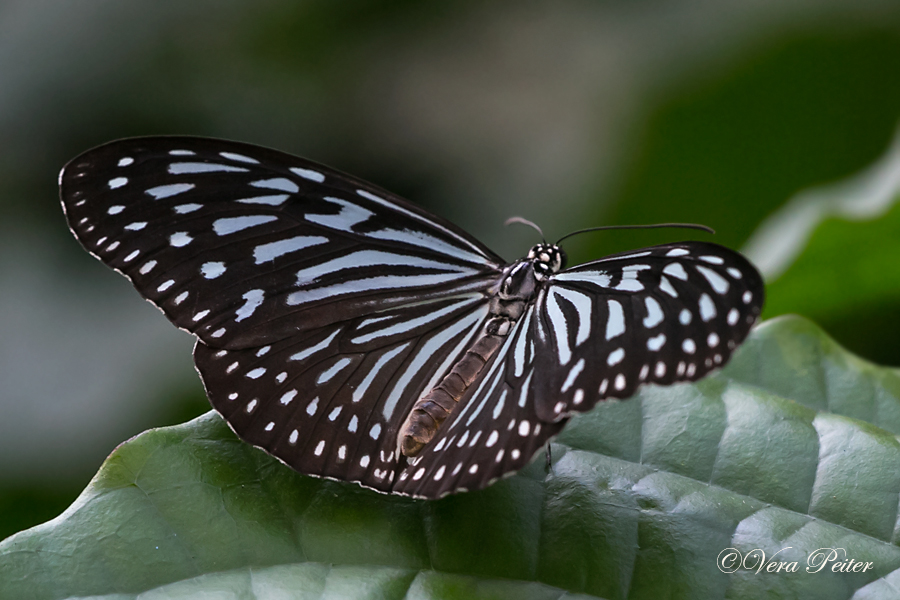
x,y
547,259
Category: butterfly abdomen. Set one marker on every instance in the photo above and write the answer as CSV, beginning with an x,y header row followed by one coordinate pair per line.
x,y
516,289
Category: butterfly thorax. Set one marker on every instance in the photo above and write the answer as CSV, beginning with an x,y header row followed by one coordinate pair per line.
x,y
517,287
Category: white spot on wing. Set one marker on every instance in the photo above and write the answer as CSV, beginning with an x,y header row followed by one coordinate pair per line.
x,y
676,270
677,252
180,239
124,162
211,270
707,308
615,357
615,325
308,174
229,225
656,342
114,210
180,168
718,283
117,182
238,157
253,299
166,191
183,209
281,184
654,313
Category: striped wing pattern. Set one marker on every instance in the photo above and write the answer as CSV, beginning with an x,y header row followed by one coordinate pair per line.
x,y
325,307
494,432
659,315
243,246
330,403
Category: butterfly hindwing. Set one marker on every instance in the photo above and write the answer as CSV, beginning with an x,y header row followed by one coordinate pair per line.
x,y
658,315
493,433
330,402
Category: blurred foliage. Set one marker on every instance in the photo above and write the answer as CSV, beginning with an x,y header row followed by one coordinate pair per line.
x,y
641,499
727,150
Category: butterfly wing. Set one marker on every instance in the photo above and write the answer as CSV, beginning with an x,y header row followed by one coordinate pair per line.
x,y
243,246
330,402
658,315
323,305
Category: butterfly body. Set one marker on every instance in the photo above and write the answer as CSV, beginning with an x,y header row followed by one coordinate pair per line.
x,y
357,337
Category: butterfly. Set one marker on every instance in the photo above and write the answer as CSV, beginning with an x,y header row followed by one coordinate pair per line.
x,y
357,337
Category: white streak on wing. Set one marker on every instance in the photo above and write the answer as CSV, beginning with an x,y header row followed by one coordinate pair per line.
x,y
372,258
583,307
281,184
363,387
421,240
182,209
272,250
167,191
676,270
707,307
526,386
654,313
478,256
349,216
181,152
273,200
713,260
336,368
629,284
307,352
574,372
492,379
407,326
254,299
181,168
560,329
666,286
429,349
385,282
308,174
498,407
677,252
718,283
521,340
234,224
238,157
626,256
615,325
598,278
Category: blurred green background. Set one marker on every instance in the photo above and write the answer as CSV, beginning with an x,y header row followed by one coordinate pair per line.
x,y
571,114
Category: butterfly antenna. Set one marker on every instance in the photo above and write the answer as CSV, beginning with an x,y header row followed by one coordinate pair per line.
x,y
652,226
524,221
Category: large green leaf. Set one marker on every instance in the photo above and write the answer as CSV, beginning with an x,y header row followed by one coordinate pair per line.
x,y
831,254
793,447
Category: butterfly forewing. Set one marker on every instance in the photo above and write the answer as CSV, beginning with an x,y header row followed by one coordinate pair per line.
x,y
243,246
658,315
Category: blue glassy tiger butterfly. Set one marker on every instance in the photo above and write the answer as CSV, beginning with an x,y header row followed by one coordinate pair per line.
x,y
357,337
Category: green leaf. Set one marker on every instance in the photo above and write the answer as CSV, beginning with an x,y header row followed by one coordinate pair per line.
x,y
831,254
790,449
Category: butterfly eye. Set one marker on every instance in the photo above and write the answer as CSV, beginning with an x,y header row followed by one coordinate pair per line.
x,y
337,323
